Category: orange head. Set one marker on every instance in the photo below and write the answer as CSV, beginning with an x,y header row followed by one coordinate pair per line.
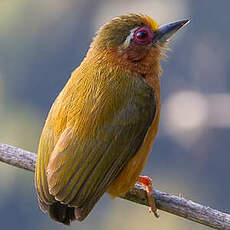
x,y
133,42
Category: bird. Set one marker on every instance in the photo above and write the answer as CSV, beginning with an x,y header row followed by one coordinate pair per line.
x,y
102,126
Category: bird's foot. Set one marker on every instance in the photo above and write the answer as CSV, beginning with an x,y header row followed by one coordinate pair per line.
x,y
147,184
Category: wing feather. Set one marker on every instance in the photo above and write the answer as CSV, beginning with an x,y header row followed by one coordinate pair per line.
x,y
94,163
80,169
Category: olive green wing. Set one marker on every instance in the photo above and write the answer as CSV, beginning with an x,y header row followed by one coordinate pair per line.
x,y
47,143
80,170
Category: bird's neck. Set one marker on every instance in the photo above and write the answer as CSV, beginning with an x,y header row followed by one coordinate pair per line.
x,y
147,67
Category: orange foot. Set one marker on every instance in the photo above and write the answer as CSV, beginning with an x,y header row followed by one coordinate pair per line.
x,y
147,183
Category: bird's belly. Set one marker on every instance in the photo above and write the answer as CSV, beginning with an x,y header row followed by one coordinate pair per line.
x,y
129,175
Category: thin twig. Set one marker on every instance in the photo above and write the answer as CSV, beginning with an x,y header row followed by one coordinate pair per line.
x,y
167,202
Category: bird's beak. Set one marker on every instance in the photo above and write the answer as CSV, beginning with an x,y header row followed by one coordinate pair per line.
x,y
165,32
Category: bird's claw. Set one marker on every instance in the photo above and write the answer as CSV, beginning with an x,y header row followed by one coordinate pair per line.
x,y
147,183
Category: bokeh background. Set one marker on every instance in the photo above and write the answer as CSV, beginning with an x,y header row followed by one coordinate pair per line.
x,y
41,43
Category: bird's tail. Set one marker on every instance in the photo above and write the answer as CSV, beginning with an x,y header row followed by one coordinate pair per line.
x,y
61,213
58,211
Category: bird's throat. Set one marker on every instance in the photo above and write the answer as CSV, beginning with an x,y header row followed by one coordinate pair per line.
x,y
144,63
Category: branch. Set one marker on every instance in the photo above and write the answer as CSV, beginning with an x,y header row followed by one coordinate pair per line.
x,y
167,202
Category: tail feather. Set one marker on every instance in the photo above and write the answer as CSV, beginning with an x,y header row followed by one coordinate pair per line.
x,y
61,213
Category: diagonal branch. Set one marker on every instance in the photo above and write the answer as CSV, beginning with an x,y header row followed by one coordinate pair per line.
x,y
167,202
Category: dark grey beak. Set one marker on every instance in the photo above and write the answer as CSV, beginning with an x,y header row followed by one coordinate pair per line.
x,y
165,32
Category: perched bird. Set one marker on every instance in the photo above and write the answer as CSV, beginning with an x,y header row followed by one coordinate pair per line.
x,y
102,126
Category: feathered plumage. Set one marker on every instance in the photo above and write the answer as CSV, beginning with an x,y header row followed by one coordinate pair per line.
x,y
102,125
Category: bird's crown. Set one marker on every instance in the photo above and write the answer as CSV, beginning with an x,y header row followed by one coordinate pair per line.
x,y
116,31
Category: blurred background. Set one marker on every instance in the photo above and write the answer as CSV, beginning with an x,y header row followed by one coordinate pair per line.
x,y
42,42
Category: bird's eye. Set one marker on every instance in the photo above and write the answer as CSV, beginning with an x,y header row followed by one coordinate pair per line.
x,y
143,36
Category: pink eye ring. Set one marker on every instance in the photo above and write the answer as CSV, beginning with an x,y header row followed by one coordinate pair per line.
x,y
143,36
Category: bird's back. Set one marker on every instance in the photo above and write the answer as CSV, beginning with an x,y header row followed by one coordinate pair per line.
x,y
88,116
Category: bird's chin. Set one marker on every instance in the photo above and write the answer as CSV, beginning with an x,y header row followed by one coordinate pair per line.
x,y
161,48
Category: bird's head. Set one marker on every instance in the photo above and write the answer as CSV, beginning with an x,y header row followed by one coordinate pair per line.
x,y
134,40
